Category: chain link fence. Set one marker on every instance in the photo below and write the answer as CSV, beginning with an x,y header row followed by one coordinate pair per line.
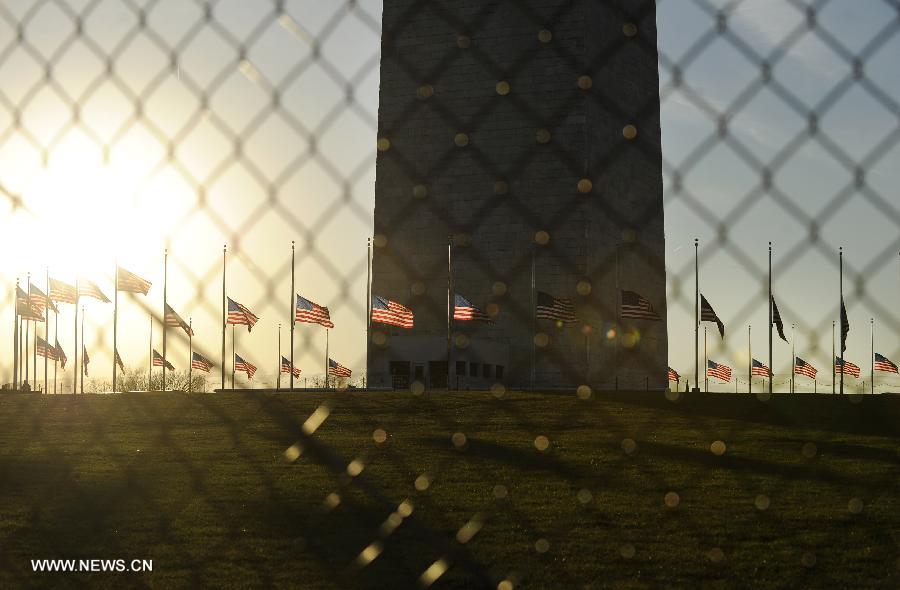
x,y
128,127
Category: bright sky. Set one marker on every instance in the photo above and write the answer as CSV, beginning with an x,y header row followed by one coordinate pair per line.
x,y
106,188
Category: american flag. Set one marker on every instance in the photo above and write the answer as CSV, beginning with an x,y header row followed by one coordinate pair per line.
x,y
636,307
286,367
776,319
242,365
707,314
883,364
758,368
131,283
845,327
548,307
24,307
39,301
719,371
312,313
90,289
389,312
238,314
119,362
174,320
159,362
86,360
200,362
44,349
63,292
801,367
673,375
60,356
465,311
336,369
845,367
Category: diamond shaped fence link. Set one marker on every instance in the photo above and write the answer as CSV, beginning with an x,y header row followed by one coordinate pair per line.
x,y
259,121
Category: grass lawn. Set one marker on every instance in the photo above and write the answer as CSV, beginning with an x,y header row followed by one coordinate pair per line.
x,y
459,490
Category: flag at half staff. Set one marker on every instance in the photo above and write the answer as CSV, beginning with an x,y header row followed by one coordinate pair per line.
x,y
548,307
86,360
287,367
61,356
62,292
174,320
845,327
718,370
131,283
39,301
673,375
90,289
465,311
44,349
385,311
240,315
200,362
760,369
635,307
24,307
118,360
241,365
707,314
801,367
776,320
882,363
312,313
845,367
336,369
158,361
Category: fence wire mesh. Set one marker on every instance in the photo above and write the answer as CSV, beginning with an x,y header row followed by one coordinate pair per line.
x,y
128,127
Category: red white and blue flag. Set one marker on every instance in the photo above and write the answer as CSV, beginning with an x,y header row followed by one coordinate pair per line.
x,y
63,292
43,348
547,307
718,370
24,307
61,356
708,314
174,320
465,311
312,313
801,367
39,301
158,361
385,311
673,375
287,367
882,363
240,315
241,365
90,289
636,307
118,361
86,360
131,283
845,367
336,369
200,362
760,369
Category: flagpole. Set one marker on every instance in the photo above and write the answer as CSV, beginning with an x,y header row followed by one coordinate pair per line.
x,y
451,304
55,343
232,357
872,356
705,364
46,326
771,373
224,254
83,351
115,323
165,312
278,378
75,362
28,329
326,361
368,308
293,316
533,318
16,336
190,353
793,361
843,341
833,364
749,363
696,315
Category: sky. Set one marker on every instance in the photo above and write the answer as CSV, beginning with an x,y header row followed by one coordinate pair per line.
x,y
121,184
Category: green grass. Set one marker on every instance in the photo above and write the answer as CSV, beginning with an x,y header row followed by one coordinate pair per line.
x,y
200,485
